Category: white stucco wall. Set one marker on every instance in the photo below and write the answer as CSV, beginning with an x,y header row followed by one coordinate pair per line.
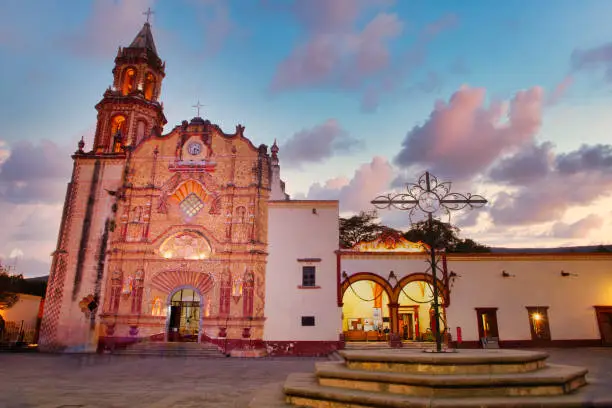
x,y
295,232
535,282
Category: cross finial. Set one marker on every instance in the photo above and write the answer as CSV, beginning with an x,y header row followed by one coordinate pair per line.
x,y
198,106
148,13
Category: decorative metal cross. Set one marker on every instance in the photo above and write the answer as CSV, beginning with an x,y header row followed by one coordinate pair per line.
x,y
148,13
430,196
198,106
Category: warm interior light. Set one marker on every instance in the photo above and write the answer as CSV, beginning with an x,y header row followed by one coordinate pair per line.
x,y
537,317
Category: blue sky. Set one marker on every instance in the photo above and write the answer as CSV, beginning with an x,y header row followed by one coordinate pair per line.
x,y
383,89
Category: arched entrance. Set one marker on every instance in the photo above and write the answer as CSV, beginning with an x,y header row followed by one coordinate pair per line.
x,y
184,314
414,294
365,307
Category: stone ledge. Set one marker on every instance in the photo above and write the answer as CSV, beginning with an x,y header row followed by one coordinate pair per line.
x,y
551,375
467,357
302,389
254,353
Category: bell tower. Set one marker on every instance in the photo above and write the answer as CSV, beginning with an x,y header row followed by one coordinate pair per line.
x,y
130,111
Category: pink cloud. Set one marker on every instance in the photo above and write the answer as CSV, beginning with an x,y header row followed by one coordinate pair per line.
x,y
218,25
578,229
110,23
334,46
4,152
393,79
464,137
560,90
369,180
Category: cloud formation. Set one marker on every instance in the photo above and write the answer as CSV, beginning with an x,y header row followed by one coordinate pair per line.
x,y
217,23
578,229
317,144
598,58
34,173
464,137
346,46
560,90
555,184
369,180
33,181
334,49
110,23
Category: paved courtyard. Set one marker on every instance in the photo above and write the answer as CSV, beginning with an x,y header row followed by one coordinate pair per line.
x,y
87,381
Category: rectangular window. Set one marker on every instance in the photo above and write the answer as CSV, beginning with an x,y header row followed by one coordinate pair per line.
x,y
308,321
308,276
538,322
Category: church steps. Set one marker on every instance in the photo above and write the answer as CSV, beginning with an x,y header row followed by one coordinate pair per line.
x,y
466,379
552,380
171,349
465,362
303,389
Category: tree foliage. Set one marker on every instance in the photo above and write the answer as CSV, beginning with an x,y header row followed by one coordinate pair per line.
x,y
10,286
444,236
360,228
366,227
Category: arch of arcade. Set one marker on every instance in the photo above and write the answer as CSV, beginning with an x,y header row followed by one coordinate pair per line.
x,y
386,288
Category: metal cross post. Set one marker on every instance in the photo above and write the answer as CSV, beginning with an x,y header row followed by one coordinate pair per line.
x,y
430,196
198,106
148,13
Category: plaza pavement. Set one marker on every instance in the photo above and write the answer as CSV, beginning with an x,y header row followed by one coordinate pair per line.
x,y
92,381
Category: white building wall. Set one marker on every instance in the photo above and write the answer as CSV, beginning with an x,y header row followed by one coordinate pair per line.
x,y
302,230
534,282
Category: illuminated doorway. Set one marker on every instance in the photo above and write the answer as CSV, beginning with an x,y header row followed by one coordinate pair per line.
x,y
487,323
415,312
365,312
184,315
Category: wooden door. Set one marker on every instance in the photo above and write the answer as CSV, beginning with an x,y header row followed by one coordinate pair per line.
x,y
604,320
487,322
174,323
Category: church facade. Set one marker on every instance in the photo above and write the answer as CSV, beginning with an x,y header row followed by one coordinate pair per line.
x,y
166,236
189,236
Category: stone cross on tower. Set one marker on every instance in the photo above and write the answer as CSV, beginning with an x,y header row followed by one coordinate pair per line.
x,y
198,106
148,13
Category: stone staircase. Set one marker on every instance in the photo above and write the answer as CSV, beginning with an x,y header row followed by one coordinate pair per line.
x,y
414,378
383,345
171,349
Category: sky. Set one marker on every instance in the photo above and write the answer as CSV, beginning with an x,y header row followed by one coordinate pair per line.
x,y
510,100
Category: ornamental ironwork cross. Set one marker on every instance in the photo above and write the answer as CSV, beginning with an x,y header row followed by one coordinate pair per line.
x,y
148,13
198,106
430,196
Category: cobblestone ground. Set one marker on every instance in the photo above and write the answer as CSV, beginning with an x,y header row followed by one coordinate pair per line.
x,y
88,381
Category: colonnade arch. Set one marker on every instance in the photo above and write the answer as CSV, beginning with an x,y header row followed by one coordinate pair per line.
x,y
406,315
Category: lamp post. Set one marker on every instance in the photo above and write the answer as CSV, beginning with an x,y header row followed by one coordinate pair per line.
x,y
431,197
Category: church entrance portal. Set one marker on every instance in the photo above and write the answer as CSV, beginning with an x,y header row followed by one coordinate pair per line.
x,y
184,315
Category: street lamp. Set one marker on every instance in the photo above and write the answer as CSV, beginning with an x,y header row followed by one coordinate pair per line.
x,y
431,197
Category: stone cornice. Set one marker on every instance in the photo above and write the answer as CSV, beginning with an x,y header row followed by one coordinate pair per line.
x,y
461,257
